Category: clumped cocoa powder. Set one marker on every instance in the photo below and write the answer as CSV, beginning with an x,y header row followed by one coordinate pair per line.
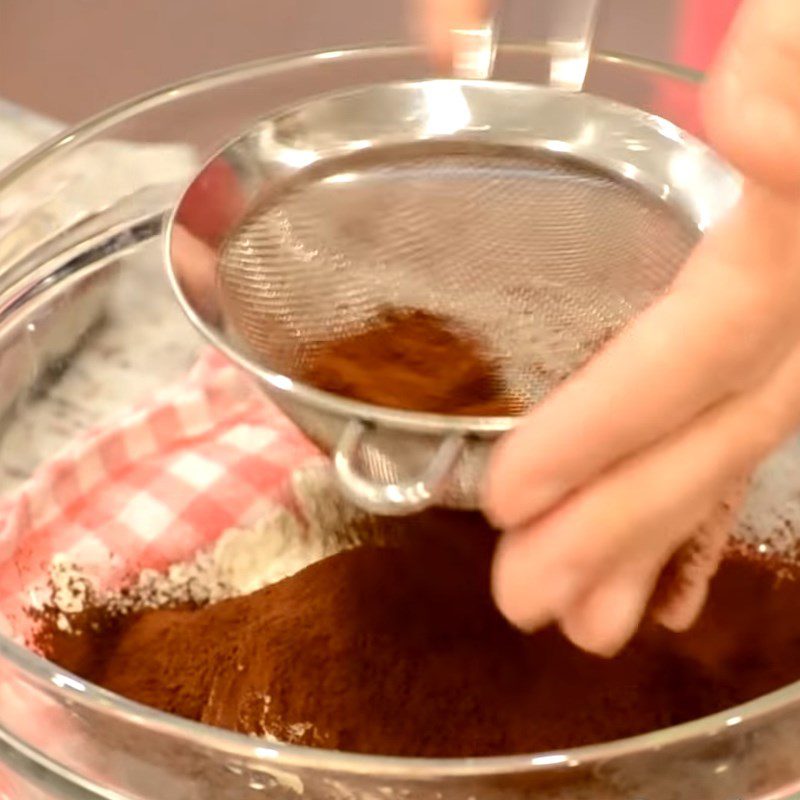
x,y
410,359
399,650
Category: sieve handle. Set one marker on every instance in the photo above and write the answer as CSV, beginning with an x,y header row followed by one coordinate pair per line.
x,y
393,499
571,35
474,49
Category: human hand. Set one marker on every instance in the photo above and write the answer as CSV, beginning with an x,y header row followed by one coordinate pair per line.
x,y
607,479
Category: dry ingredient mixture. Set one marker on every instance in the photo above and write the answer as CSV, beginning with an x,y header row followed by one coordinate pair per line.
x,y
389,642
410,359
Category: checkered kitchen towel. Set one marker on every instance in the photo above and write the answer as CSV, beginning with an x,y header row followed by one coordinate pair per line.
x,y
152,489
158,484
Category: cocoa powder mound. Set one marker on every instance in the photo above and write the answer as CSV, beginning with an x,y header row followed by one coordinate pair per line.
x,y
410,359
399,650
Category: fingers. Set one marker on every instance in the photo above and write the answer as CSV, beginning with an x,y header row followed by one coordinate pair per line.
x,y
752,100
606,618
669,587
673,589
729,318
592,563
683,585
439,18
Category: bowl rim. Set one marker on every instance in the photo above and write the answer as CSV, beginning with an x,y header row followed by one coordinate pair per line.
x,y
73,690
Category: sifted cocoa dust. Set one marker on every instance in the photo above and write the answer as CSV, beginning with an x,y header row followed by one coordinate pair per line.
x,y
410,359
399,650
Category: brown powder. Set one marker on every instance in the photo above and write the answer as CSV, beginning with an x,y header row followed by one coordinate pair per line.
x,y
410,359
399,650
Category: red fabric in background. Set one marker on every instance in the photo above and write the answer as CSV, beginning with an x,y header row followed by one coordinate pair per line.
x,y
700,30
702,27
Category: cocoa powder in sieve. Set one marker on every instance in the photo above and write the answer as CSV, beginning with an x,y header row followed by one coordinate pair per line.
x,y
399,650
410,359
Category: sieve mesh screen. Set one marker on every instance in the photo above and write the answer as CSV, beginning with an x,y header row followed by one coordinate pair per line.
x,y
540,256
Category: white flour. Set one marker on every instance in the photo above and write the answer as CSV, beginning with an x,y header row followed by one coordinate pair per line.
x,y
280,544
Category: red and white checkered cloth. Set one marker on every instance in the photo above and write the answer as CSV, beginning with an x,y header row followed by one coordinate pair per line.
x,y
150,489
163,482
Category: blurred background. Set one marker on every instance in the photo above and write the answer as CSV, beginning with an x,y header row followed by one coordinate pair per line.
x,y
71,58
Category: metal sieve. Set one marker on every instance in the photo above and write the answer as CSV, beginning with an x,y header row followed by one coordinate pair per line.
x,y
540,220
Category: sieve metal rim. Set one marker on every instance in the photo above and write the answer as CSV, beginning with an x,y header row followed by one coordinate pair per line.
x,y
569,124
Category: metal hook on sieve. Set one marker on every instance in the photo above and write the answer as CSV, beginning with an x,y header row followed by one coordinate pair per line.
x,y
572,29
474,49
396,499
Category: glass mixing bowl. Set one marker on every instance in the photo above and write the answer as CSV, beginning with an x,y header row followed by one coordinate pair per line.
x,y
88,326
